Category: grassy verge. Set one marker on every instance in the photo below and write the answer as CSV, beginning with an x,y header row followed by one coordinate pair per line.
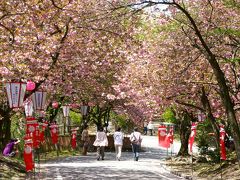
x,y
52,155
14,168
224,170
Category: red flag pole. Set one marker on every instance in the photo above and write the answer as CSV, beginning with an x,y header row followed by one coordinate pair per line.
x,y
222,146
191,140
192,164
221,167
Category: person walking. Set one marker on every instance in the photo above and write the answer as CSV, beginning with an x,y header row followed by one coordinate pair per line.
x,y
85,139
150,127
136,140
118,142
100,142
145,129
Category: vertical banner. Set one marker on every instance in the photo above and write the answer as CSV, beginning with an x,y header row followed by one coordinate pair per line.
x,y
54,133
33,129
74,139
28,154
222,143
170,135
162,137
192,135
44,126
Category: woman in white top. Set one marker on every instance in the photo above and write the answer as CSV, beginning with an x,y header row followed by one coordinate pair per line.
x,y
150,127
118,142
136,140
100,142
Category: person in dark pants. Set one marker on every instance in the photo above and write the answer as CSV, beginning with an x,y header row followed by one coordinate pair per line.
x,y
136,140
145,129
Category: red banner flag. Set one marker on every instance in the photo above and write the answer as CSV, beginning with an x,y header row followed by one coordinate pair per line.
x,y
33,129
170,135
27,154
222,143
54,133
74,139
44,126
193,134
162,137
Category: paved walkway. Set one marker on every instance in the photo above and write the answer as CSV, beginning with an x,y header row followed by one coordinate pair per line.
x,y
149,166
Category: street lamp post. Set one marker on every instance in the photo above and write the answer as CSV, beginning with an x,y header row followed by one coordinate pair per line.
x,y
28,107
84,111
66,110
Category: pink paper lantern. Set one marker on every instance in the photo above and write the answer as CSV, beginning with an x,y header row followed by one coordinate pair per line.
x,y
55,105
30,86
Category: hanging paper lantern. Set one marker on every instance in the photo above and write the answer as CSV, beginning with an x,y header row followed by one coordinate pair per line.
x,y
30,86
15,93
201,117
28,107
66,110
84,110
55,105
39,100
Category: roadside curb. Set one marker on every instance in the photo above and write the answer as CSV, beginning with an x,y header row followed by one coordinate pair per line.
x,y
176,172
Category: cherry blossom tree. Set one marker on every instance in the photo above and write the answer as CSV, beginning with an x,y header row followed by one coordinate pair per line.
x,y
200,22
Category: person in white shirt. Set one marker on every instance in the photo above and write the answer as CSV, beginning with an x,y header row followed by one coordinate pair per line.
x,y
100,142
118,142
150,127
136,140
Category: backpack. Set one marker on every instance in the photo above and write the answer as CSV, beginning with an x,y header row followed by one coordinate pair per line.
x,y
134,140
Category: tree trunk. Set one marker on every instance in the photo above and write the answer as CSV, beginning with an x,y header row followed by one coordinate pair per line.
x,y
184,131
1,134
6,128
207,107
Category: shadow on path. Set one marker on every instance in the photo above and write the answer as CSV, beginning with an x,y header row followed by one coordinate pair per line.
x,y
87,167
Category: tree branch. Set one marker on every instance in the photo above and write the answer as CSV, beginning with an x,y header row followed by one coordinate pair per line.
x,y
189,105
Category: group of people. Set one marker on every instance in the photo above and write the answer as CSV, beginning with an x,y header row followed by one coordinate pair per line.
x,y
101,141
148,126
